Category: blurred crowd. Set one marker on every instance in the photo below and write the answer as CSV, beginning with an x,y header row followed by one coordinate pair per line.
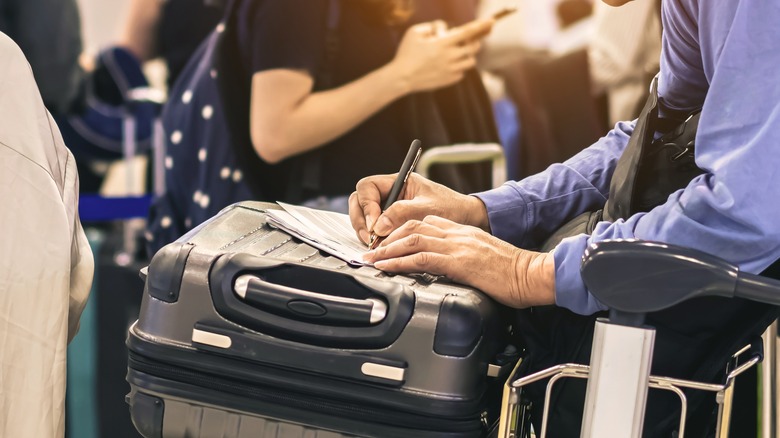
x,y
296,100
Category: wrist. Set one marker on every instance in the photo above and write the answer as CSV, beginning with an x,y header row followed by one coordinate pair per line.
x,y
476,213
532,279
399,78
541,278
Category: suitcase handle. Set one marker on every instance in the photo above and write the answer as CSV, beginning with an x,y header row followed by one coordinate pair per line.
x,y
331,308
307,305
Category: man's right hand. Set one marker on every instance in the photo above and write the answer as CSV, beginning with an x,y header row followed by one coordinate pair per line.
x,y
420,198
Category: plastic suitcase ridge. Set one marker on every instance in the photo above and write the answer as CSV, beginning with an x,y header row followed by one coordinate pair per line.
x,y
245,331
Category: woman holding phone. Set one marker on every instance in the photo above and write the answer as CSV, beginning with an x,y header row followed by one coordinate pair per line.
x,y
345,97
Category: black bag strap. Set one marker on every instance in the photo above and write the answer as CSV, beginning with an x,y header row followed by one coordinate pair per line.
x,y
623,181
649,169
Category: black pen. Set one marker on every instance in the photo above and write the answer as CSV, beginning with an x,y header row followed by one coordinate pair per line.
x,y
415,149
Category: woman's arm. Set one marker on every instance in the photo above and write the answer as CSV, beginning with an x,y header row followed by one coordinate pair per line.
x,y
287,118
139,31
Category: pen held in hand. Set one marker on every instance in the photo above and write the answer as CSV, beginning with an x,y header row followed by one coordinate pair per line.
x,y
412,157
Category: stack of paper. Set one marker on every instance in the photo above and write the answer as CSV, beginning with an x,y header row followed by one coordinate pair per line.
x,y
325,230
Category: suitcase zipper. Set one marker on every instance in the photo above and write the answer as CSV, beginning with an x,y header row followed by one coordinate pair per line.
x,y
302,401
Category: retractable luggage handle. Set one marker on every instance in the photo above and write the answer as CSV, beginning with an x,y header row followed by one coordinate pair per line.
x,y
295,301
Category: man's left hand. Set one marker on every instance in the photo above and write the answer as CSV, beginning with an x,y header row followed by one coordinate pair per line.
x,y
469,255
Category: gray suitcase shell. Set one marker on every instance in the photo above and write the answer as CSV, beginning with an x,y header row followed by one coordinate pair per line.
x,y
205,362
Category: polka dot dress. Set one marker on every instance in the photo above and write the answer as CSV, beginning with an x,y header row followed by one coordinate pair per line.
x,y
201,171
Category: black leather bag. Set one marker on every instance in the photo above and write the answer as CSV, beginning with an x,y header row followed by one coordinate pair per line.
x,y
648,171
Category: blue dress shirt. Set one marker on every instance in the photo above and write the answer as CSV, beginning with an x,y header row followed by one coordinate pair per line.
x,y
729,52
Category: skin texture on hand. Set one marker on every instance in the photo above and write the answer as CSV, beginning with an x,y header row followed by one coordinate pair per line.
x,y
419,198
436,230
469,255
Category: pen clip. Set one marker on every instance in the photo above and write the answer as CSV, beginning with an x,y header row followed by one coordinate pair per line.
x,y
414,164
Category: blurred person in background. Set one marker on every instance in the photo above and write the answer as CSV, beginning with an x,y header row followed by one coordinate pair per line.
x,y
623,52
348,100
46,264
170,29
49,34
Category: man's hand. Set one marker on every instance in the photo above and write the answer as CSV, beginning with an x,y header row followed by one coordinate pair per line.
x,y
420,198
468,255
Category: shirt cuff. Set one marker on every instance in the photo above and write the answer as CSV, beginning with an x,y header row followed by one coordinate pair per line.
x,y
570,291
507,213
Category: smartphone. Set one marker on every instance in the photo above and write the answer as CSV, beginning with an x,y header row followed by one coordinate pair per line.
x,y
504,12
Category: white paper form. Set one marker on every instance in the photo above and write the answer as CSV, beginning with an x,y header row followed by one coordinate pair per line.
x,y
325,230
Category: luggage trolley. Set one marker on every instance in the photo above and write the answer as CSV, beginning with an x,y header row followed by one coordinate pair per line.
x,y
619,374
466,153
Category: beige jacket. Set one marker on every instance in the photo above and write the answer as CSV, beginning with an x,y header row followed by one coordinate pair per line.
x,y
46,265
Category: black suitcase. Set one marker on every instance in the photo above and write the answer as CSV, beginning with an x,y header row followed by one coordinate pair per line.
x,y
245,331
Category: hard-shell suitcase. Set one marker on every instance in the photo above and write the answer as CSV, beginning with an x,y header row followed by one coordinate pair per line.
x,y
247,332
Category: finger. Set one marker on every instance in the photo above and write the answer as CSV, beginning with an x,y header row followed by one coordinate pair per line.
x,y
431,263
469,31
357,218
465,51
472,48
439,28
413,227
440,223
398,214
409,245
464,65
425,29
364,203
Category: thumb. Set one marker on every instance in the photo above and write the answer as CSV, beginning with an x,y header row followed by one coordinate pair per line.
x,y
398,214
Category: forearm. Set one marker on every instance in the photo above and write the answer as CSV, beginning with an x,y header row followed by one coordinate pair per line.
x,y
139,31
323,116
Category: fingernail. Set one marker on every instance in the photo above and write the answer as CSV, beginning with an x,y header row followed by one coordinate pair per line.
x,y
368,222
381,264
363,235
383,226
369,256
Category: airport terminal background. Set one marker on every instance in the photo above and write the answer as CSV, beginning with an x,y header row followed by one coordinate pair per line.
x,y
554,87
97,356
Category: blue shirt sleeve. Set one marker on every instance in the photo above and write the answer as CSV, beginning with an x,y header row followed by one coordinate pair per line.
x,y
524,213
729,50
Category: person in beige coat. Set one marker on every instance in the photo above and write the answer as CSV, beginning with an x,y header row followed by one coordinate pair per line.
x,y
46,265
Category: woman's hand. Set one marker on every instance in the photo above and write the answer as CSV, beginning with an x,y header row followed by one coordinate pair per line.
x,y
420,198
470,256
431,56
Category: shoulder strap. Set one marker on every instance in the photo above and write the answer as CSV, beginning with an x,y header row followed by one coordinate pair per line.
x,y
623,180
